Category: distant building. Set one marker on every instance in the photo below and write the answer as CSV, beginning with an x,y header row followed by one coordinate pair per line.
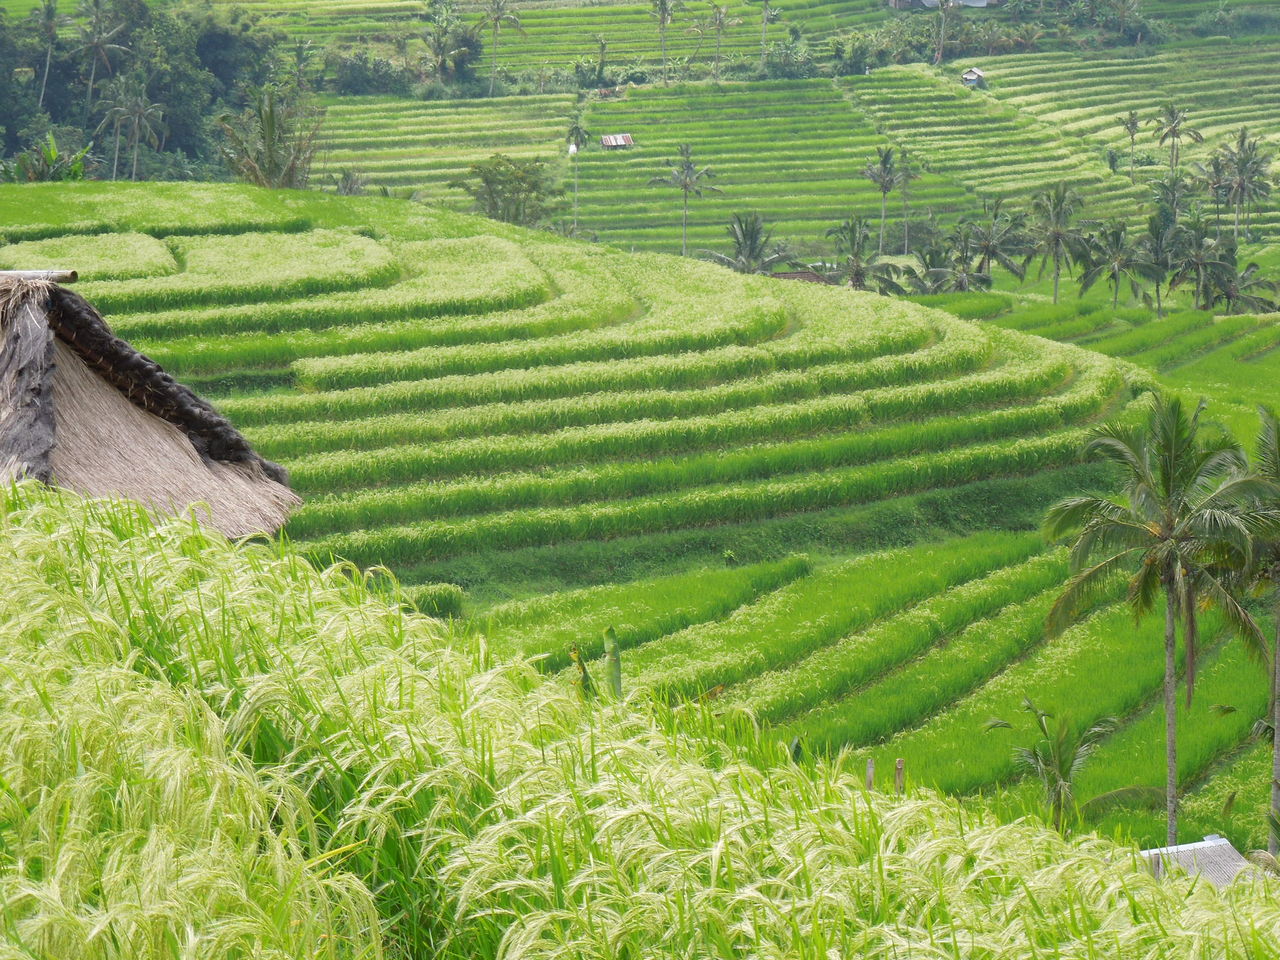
x,y
616,141
1213,858
974,77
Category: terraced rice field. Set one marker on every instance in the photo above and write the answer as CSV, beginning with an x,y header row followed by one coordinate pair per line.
x,y
420,147
983,145
768,490
1222,84
558,32
792,151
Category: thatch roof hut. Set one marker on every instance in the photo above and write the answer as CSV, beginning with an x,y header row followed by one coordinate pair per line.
x,y
81,408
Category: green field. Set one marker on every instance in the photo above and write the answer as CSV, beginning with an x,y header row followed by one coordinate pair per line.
x,y
783,496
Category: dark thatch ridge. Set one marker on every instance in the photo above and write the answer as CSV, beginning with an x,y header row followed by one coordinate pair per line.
x,y
26,378
145,384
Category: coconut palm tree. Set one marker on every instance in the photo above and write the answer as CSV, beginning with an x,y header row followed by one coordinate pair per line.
x,y
48,22
1111,254
664,12
1245,291
753,251
121,92
1212,178
884,174
97,40
1247,175
1057,757
1054,235
1001,238
577,137
1186,512
959,272
1172,192
144,119
1204,261
768,14
499,14
1266,573
1160,244
855,267
1172,127
906,174
718,22
1132,125
689,180
274,144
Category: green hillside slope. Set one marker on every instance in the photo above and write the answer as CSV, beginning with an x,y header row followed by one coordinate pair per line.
x,y
218,751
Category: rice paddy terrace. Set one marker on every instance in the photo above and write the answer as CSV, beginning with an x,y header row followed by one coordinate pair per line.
x,y
813,503
1222,84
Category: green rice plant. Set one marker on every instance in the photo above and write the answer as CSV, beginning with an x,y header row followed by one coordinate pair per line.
x,y
812,612
443,600
500,815
267,266
547,628
1150,335
827,682
953,354
633,439
118,256
1234,799
1063,678
967,306
1196,341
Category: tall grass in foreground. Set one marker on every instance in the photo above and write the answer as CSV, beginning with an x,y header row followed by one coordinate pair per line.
x,y
492,812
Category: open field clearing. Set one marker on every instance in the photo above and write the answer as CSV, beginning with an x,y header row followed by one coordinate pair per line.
x,y
312,771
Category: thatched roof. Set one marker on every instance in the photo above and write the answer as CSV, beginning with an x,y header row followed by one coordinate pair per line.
x,y
81,408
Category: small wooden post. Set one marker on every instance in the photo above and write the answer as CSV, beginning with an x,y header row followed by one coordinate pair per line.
x,y
53,276
900,776
1157,865
871,773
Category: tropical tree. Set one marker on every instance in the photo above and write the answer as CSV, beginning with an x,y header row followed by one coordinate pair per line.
x,y
959,272
768,15
1211,177
1172,127
1201,260
753,249
1001,238
144,120
1173,192
1247,174
1057,757
97,39
577,137
1132,125
664,12
274,143
858,269
906,174
1244,291
1159,246
1186,513
718,22
48,22
499,14
884,174
1266,573
690,181
1055,237
122,92
1112,255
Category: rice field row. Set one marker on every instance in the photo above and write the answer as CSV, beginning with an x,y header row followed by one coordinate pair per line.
x,y
1222,84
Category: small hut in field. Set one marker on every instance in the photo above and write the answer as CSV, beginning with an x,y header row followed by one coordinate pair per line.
x,y
82,409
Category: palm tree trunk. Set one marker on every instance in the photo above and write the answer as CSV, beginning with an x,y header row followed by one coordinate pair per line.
x,y
1171,713
662,38
1115,292
48,58
1159,305
1237,234
906,224
88,100
575,194
684,228
1273,840
493,72
715,73
115,161
884,201
1057,275
137,142
1133,149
